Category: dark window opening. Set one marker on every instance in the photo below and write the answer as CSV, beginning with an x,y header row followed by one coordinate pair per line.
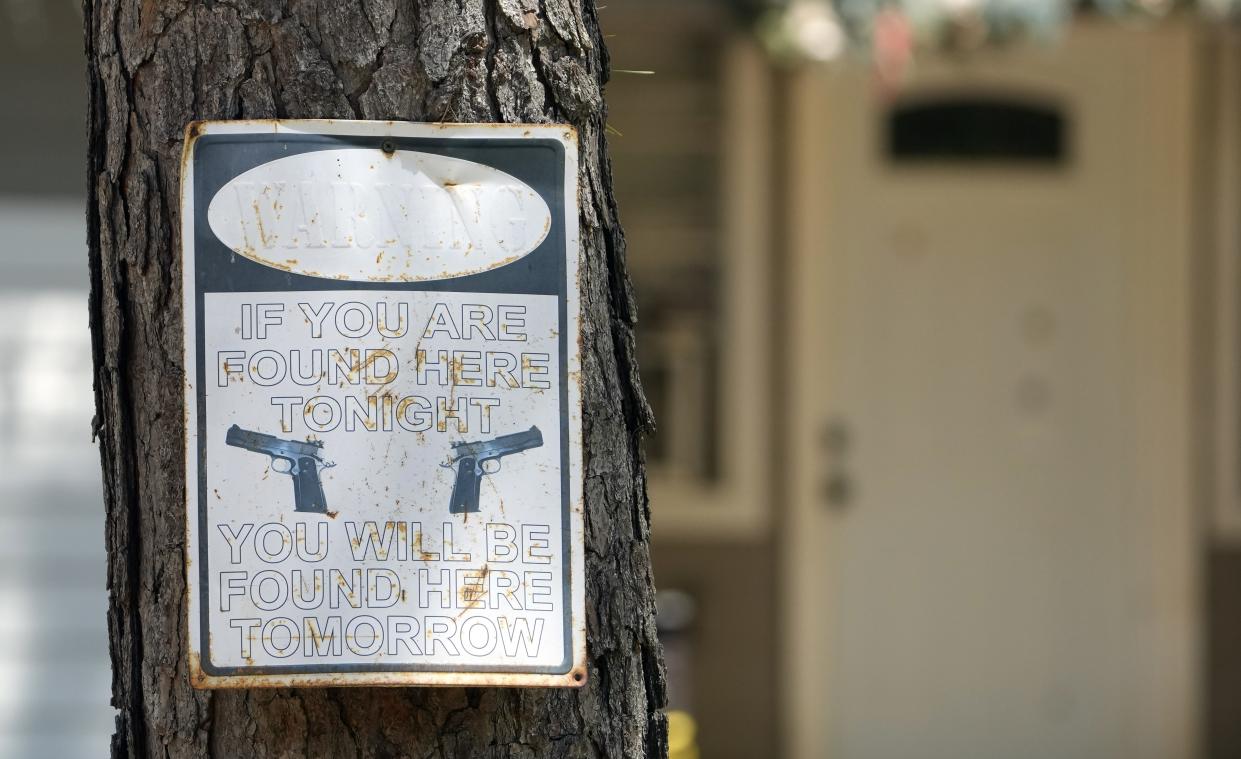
x,y
976,129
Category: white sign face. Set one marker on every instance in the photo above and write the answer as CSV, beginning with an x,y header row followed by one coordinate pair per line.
x,y
383,427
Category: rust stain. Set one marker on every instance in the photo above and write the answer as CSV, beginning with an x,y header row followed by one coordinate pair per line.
x,y
258,220
470,595
198,678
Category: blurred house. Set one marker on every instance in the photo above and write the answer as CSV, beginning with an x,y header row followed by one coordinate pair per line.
x,y
946,362
54,671
946,371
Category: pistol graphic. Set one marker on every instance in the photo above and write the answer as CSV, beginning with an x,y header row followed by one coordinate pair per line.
x,y
473,460
298,459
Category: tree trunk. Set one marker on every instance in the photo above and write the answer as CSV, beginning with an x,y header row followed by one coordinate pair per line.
x,y
155,65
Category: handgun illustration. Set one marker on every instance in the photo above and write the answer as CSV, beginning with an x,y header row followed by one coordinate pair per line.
x,y
473,460
299,459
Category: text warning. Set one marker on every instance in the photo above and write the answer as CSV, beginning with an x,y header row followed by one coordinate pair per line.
x,y
383,428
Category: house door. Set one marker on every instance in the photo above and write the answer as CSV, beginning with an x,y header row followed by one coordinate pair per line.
x,y
990,548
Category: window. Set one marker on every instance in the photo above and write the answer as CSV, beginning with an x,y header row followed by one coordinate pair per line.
x,y
976,129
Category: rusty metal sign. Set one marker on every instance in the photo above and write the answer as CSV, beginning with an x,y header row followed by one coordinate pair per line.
x,y
382,404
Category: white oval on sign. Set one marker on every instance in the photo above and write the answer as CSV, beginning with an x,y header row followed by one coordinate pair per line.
x,y
362,214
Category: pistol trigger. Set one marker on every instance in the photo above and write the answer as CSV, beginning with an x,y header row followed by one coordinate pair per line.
x,y
489,466
282,465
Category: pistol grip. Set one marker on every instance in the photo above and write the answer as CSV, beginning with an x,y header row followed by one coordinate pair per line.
x,y
466,487
307,488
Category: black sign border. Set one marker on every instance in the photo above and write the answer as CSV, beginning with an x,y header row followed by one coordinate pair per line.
x,y
218,158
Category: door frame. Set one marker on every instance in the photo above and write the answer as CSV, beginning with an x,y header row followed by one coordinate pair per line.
x,y
1159,306
735,505
1220,274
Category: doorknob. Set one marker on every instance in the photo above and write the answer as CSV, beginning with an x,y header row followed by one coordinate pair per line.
x,y
836,440
838,490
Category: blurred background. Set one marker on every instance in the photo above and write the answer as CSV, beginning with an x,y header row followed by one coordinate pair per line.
x,y
941,319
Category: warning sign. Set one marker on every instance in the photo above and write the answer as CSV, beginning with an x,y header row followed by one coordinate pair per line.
x,y
383,445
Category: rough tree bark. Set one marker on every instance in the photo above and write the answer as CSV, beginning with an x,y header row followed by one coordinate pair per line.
x,y
155,65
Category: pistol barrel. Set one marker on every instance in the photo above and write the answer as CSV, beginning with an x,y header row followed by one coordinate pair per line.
x,y
260,442
500,446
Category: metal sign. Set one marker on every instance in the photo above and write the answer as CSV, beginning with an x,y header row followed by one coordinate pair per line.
x,y
382,404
